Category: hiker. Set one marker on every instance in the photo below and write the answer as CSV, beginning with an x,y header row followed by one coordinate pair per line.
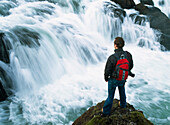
x,y
117,69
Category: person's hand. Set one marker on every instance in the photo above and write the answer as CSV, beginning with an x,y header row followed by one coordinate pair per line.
x,y
131,74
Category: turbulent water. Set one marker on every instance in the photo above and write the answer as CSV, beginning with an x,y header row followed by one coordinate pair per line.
x,y
58,54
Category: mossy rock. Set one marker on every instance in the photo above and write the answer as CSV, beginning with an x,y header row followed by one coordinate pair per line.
x,y
119,116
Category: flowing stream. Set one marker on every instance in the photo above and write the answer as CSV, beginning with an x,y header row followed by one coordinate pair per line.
x,y
58,50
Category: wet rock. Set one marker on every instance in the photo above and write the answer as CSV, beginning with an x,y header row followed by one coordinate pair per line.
x,y
119,116
125,4
161,2
6,84
149,2
158,21
143,43
76,5
114,11
26,36
5,47
43,11
138,19
6,81
5,6
16,36
3,94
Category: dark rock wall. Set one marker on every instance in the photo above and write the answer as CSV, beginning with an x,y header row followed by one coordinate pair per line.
x,y
158,21
149,2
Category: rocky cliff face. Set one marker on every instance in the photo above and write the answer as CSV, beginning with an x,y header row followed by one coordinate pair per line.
x,y
119,116
158,20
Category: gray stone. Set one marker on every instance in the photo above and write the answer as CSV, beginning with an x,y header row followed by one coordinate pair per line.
x,y
158,21
125,4
149,2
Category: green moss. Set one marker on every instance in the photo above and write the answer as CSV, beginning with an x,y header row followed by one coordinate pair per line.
x,y
124,117
114,117
94,120
139,118
99,120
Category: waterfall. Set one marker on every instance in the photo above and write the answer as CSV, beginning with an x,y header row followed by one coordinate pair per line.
x,y
57,50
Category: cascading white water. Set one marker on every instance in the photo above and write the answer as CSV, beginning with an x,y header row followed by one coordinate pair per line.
x,y
57,80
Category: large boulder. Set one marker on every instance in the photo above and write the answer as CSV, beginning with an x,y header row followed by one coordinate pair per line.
x,y
158,21
149,2
119,116
125,4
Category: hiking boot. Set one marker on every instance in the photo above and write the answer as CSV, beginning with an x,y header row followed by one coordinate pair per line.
x,y
119,103
104,115
120,106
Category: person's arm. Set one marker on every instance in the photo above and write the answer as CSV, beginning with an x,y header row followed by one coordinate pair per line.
x,y
108,69
130,61
130,65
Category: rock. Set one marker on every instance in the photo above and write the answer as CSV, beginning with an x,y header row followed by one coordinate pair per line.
x,y
6,81
158,21
138,19
119,116
125,4
114,11
5,6
22,35
8,40
117,15
3,94
26,36
6,84
76,5
149,2
161,2
5,46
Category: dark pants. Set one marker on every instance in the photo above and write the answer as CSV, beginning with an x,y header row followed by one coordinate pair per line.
x,y
112,84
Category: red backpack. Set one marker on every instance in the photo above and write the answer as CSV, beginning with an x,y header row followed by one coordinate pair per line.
x,y
122,67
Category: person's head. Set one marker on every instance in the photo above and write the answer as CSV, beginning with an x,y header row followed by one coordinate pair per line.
x,y
119,42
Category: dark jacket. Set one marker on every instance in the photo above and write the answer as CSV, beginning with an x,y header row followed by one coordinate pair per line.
x,y
111,63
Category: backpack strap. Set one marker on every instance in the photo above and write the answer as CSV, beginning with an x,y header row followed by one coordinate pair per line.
x,y
125,52
118,57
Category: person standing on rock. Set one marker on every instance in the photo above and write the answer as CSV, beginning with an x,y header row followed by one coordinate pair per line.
x,y
117,69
